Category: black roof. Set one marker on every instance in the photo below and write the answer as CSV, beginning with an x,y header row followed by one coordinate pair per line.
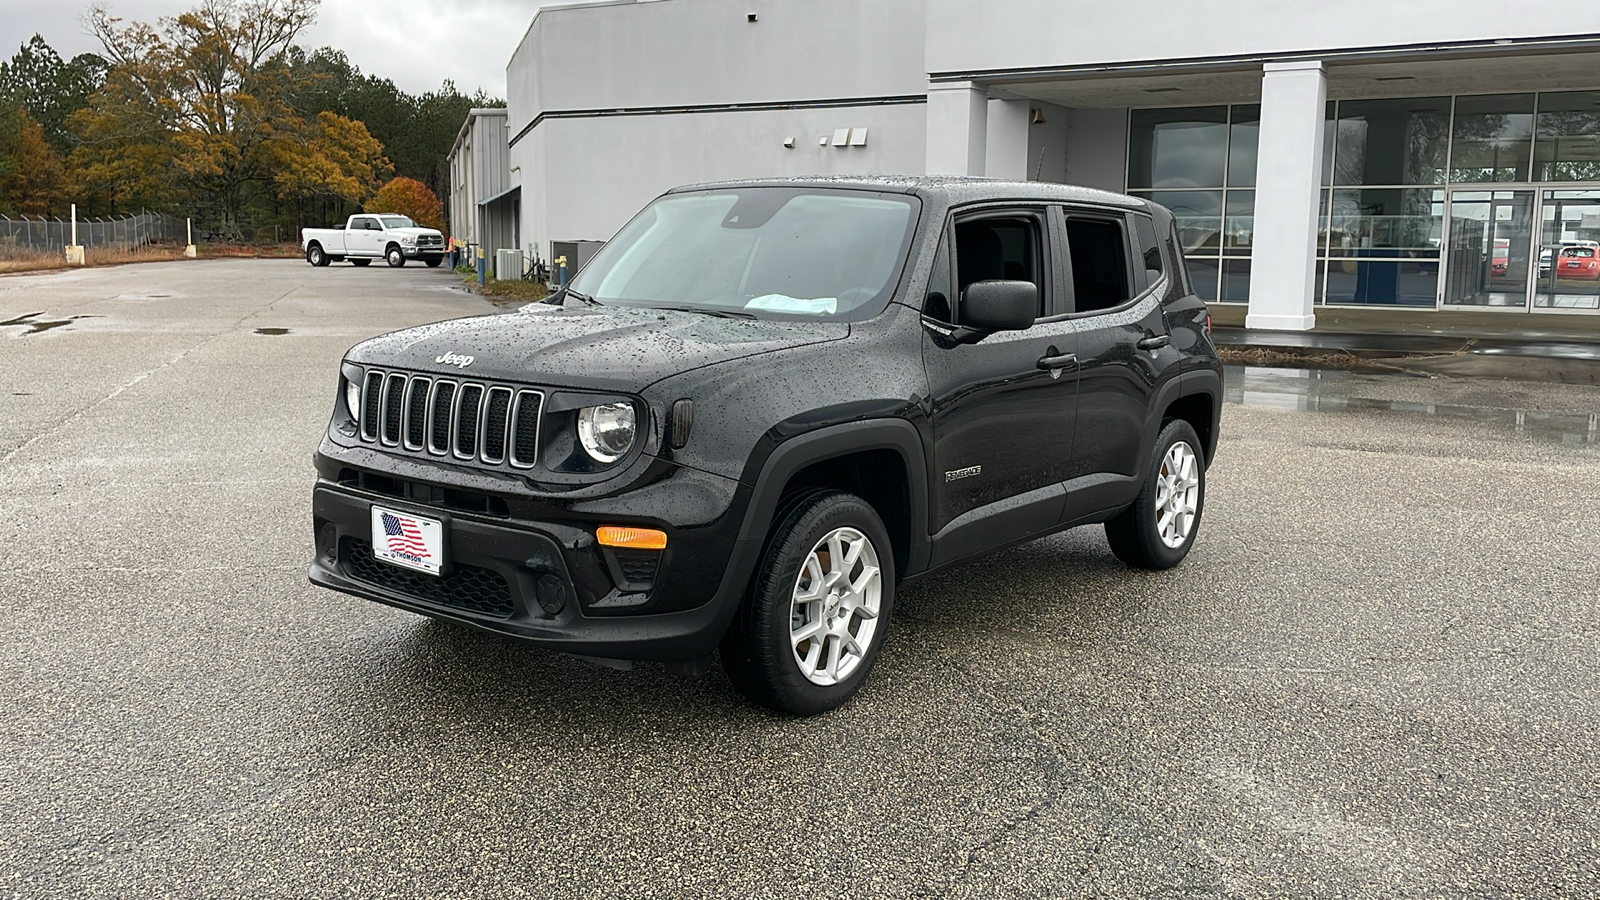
x,y
950,188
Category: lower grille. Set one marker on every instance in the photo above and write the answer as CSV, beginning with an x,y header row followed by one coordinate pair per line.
x,y
470,588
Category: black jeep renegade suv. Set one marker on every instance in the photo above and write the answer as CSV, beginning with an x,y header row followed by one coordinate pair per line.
x,y
764,406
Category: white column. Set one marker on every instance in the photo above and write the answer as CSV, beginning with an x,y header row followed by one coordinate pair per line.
x,y
1005,151
958,123
1283,260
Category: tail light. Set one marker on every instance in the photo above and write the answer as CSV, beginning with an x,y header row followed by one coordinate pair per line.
x,y
1208,324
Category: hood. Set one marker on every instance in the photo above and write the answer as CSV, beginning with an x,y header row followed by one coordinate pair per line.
x,y
613,348
414,232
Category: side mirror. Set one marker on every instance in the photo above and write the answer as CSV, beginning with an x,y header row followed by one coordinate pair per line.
x,y
999,305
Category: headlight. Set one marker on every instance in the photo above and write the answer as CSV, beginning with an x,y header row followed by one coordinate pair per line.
x,y
607,431
408,241
352,398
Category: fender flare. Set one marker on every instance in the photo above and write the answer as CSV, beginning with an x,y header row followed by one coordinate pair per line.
x,y
896,435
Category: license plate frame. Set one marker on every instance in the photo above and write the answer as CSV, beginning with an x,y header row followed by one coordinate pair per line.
x,y
408,540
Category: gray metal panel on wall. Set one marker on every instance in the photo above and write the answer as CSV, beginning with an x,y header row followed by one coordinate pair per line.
x,y
634,55
595,173
964,37
1097,148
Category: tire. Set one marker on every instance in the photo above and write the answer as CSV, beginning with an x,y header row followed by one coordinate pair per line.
x,y
360,262
432,262
818,538
395,258
1157,531
316,256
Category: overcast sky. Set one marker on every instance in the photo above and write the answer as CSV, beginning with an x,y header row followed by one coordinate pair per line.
x,y
471,44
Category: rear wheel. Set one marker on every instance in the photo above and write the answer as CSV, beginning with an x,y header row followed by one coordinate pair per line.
x,y
395,258
360,262
316,256
813,625
1157,531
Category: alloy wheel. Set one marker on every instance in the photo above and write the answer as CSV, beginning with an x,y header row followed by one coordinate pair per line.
x,y
834,609
1177,494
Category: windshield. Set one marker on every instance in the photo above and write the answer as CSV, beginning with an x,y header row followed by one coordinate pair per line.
x,y
766,252
397,222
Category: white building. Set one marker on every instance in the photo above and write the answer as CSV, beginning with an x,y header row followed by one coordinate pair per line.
x,y
1421,153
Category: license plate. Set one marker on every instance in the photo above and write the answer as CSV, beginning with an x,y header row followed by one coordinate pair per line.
x,y
403,539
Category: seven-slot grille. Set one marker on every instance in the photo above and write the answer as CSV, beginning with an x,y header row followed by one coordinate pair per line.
x,y
494,424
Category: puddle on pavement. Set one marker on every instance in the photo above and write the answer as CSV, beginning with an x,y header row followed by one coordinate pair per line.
x,y
272,331
35,325
1308,390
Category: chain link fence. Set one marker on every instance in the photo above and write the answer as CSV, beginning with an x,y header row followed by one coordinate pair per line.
x,y
28,236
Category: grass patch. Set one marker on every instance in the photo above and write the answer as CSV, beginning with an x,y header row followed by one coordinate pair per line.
x,y
1299,358
44,261
510,292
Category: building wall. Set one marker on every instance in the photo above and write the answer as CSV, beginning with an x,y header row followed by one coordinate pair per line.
x,y
479,169
1097,148
584,173
963,36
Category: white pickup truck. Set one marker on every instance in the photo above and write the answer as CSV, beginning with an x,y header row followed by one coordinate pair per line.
x,y
369,236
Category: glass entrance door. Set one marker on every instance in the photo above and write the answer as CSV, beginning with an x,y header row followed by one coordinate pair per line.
x,y
1490,253
1569,251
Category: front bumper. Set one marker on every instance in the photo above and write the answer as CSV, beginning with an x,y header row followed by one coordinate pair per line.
x,y
546,582
422,252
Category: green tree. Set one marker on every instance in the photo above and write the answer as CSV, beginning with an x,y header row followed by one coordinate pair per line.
x,y
49,88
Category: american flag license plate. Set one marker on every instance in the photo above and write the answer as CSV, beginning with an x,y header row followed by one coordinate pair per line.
x,y
403,539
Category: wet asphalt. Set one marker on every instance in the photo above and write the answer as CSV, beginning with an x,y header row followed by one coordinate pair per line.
x,y
1376,675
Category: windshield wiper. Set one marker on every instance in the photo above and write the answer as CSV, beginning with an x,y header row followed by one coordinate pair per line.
x,y
710,311
578,295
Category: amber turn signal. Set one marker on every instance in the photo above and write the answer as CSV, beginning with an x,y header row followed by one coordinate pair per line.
x,y
632,538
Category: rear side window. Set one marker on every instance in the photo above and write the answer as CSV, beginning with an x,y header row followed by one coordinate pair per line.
x,y
1098,249
1148,248
1180,269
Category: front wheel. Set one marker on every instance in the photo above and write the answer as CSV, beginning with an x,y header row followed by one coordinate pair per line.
x,y
395,258
813,626
1157,531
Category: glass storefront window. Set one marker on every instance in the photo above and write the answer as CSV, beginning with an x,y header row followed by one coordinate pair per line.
x,y
1198,215
1244,136
1400,141
1392,222
1492,138
1382,282
1236,280
1238,228
1203,273
1567,143
1177,148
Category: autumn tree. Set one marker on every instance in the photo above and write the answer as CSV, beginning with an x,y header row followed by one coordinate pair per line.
x,y
34,181
212,84
332,157
409,197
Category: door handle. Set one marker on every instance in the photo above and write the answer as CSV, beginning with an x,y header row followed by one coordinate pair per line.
x,y
1154,343
1059,361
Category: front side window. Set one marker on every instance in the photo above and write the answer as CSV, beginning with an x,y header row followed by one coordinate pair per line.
x,y
783,253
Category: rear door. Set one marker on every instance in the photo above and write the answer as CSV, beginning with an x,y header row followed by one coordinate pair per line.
x,y
1123,341
1003,408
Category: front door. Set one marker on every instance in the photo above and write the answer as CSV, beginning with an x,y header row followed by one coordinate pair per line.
x,y
1002,408
1569,252
1490,254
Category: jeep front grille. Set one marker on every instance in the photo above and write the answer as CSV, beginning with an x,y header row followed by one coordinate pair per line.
x,y
495,424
